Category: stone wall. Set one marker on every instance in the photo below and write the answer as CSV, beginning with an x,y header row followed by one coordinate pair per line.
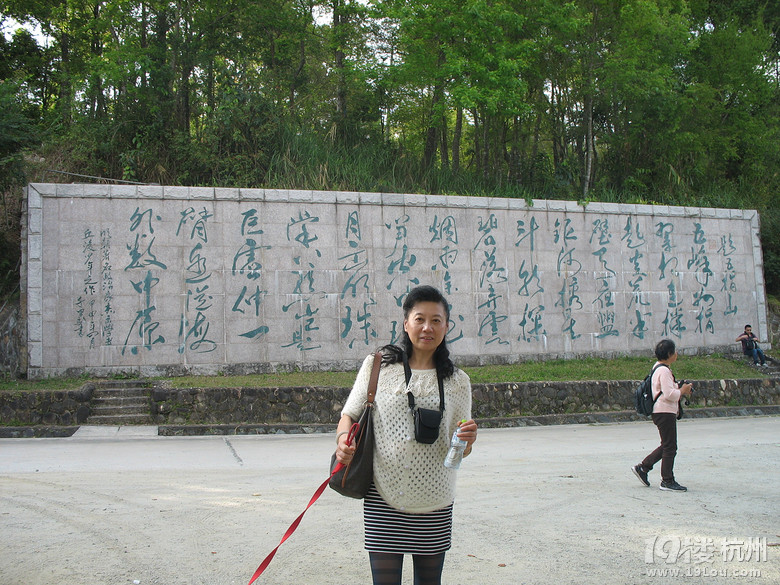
x,y
58,408
13,356
321,407
159,280
247,405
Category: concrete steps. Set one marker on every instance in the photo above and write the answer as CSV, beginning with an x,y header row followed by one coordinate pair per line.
x,y
121,402
772,367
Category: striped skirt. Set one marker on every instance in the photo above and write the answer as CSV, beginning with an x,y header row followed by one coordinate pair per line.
x,y
389,530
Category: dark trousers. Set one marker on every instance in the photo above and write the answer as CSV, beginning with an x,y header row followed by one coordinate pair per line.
x,y
756,354
666,452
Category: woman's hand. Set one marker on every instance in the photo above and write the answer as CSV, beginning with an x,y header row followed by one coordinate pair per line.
x,y
468,432
344,452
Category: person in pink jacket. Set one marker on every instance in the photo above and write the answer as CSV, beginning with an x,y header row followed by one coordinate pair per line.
x,y
665,418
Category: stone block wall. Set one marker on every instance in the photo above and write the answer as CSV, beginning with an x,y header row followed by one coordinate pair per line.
x,y
320,408
159,280
58,408
310,406
248,405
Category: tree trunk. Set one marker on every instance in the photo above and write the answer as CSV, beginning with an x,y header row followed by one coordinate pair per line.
x,y
558,127
535,142
477,142
434,118
66,88
161,77
456,136
97,99
432,134
516,152
144,41
185,110
590,82
210,84
486,150
294,84
445,153
339,22
588,145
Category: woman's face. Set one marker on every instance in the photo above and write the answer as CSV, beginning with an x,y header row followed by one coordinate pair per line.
x,y
426,325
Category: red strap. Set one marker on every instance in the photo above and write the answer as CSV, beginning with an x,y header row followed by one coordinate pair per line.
x,y
352,432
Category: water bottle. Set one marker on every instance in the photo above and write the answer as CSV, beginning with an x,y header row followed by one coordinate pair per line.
x,y
455,454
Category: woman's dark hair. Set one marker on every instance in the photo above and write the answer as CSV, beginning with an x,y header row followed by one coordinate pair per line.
x,y
392,354
664,349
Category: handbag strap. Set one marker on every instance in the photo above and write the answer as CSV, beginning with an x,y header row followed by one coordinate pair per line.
x,y
371,393
372,383
408,376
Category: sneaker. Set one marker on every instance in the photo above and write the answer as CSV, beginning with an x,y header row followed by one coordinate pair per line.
x,y
641,474
673,486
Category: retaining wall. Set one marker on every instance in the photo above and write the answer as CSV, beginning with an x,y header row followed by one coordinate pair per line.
x,y
321,407
57,408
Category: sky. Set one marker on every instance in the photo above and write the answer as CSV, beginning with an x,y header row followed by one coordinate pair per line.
x,y
10,25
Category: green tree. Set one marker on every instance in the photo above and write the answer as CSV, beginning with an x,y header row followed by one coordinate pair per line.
x,y
638,106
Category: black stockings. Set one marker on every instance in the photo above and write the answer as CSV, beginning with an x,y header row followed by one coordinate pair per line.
x,y
386,568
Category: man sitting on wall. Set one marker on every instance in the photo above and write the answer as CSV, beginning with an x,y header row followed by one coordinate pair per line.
x,y
750,346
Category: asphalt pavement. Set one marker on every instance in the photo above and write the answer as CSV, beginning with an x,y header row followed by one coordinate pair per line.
x,y
535,505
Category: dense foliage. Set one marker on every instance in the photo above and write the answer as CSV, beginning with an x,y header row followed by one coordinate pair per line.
x,y
667,101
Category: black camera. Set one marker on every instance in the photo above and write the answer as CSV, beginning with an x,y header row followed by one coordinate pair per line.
x,y
682,383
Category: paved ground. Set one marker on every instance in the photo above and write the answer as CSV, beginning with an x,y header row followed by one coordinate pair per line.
x,y
537,505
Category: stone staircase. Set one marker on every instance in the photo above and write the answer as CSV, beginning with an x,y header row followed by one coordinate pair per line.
x,y
121,402
772,367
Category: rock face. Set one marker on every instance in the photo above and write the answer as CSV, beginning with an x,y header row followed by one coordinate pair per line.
x,y
773,324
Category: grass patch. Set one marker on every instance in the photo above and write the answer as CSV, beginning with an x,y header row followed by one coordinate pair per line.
x,y
713,367
11,386
286,379
624,368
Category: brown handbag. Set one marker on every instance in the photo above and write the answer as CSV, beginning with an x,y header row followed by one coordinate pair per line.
x,y
354,478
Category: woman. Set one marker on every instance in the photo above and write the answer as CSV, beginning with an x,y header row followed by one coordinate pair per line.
x,y
408,509
665,418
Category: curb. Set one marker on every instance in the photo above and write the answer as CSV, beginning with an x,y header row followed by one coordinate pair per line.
x,y
37,432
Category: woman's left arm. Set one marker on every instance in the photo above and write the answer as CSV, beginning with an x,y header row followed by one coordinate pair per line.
x,y
468,432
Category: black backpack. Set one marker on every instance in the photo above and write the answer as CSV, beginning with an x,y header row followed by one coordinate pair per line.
x,y
643,395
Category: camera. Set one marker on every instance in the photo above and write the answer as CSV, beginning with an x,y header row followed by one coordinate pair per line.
x,y
680,384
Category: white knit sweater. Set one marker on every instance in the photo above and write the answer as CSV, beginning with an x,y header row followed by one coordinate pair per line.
x,y
411,476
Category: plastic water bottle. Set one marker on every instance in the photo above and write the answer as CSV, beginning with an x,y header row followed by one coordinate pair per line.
x,y
455,454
